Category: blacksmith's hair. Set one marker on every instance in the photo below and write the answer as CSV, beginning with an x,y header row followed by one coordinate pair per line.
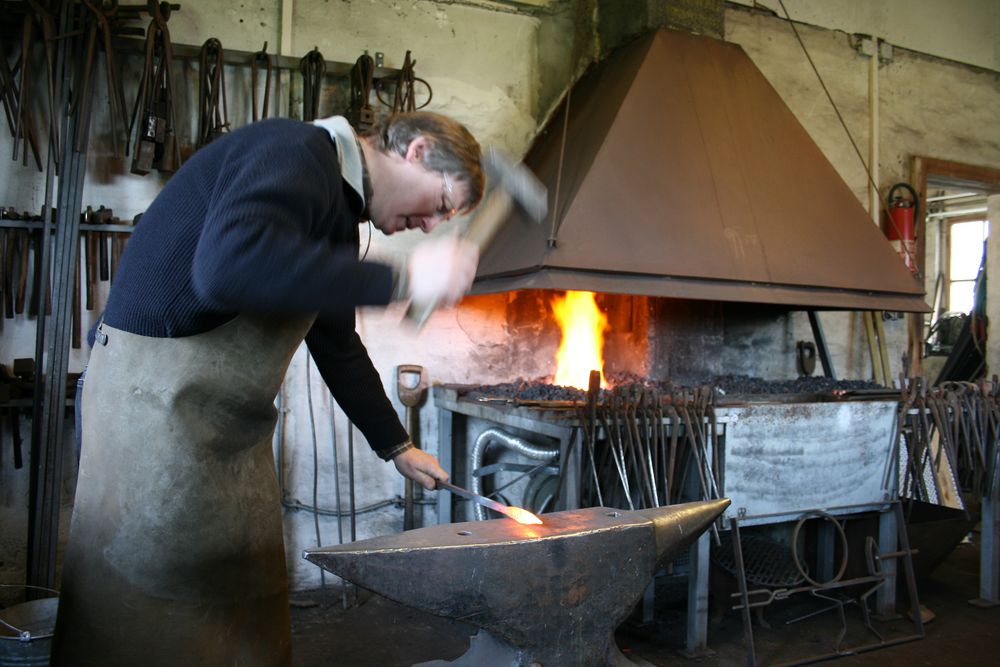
x,y
453,149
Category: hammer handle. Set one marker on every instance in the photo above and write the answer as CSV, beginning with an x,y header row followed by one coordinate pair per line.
x,y
481,231
484,226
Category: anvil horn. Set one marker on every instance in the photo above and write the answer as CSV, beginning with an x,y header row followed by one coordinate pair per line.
x,y
551,594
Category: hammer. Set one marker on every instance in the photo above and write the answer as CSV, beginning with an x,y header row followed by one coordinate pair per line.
x,y
513,184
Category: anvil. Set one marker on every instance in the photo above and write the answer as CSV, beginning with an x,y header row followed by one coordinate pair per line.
x,y
550,595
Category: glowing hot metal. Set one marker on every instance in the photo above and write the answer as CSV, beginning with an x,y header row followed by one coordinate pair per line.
x,y
515,513
577,577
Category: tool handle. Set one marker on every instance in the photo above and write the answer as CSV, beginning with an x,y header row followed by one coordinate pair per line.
x,y
481,231
457,490
411,394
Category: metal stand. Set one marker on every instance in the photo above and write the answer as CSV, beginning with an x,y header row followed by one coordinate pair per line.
x,y
989,555
878,580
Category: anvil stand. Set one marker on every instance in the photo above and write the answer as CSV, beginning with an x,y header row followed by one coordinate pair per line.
x,y
876,580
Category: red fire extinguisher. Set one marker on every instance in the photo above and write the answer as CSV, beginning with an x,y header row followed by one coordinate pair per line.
x,y
901,226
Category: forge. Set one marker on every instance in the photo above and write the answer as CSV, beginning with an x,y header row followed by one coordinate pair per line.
x,y
550,595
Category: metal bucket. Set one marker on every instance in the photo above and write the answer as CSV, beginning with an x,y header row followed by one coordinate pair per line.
x,y
26,632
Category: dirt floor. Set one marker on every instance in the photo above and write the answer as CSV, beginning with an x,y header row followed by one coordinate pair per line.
x,y
378,632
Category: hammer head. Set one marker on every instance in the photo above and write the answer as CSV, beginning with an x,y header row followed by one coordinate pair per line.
x,y
517,180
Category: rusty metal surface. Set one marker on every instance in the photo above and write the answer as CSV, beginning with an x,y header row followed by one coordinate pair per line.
x,y
551,594
686,175
783,459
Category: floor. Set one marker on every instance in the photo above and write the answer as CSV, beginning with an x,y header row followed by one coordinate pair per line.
x,y
380,633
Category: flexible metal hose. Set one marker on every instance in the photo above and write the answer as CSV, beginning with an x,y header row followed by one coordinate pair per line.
x,y
519,445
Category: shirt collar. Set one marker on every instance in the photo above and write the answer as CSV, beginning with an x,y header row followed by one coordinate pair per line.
x,y
349,155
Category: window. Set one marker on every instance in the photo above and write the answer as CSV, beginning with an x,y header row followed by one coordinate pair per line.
x,y
966,254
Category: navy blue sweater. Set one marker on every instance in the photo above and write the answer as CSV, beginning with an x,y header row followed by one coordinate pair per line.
x,y
260,221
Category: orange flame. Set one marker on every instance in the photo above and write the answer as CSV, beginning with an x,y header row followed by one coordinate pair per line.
x,y
582,346
522,516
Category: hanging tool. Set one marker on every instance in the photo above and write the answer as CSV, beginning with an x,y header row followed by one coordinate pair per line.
x,y
411,387
14,421
100,24
10,239
16,263
46,20
361,114
102,216
8,94
118,241
153,113
403,95
89,259
259,58
4,282
212,123
512,183
16,100
313,67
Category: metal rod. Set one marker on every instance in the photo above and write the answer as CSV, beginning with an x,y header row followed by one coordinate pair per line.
x,y
350,480
822,351
46,449
475,497
315,453
741,580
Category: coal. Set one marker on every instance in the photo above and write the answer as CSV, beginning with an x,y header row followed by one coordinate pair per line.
x,y
745,384
524,390
528,391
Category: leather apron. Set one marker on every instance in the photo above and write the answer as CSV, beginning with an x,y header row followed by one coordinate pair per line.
x,y
175,553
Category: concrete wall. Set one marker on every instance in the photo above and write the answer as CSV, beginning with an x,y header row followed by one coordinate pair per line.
x,y
961,30
498,67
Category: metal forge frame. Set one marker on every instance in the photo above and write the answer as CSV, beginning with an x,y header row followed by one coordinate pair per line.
x,y
801,446
547,419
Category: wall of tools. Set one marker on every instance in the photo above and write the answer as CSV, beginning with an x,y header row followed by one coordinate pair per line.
x,y
231,63
103,88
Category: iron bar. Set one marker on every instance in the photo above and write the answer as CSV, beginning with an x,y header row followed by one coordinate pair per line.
x,y
46,450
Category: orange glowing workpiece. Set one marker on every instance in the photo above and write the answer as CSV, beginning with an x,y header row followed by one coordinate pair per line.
x,y
522,516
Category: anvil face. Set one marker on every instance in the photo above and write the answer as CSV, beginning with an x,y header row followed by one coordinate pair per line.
x,y
554,592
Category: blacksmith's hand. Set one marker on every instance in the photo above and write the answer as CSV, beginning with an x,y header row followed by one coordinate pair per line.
x,y
441,270
421,467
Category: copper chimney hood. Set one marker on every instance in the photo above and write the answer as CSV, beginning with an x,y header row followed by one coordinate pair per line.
x,y
683,174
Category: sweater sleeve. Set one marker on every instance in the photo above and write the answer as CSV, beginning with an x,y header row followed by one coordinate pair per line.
x,y
348,371
265,243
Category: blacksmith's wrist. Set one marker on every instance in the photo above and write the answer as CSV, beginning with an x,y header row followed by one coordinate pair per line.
x,y
393,452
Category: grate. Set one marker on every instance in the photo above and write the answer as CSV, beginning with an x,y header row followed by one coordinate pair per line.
x,y
767,563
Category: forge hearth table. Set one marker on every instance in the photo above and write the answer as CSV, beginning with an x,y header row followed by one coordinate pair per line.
x,y
780,457
458,415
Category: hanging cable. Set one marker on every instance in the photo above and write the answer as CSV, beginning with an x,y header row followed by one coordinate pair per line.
x,y
847,131
562,153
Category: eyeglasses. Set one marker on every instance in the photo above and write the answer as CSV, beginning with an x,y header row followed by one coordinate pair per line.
x,y
447,211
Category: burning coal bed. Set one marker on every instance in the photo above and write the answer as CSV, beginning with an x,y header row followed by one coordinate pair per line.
x,y
723,386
